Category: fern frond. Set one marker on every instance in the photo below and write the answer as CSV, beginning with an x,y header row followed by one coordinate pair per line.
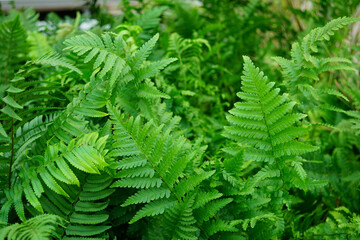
x,y
265,125
56,60
340,224
142,147
323,33
28,18
209,210
306,67
152,69
263,121
106,52
12,45
149,91
40,227
186,48
180,221
38,45
89,218
150,18
86,154
143,53
26,102
249,9
218,225
70,122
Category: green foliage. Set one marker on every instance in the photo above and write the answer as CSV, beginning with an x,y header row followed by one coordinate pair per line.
x,y
154,161
142,128
264,124
305,69
13,45
340,224
40,227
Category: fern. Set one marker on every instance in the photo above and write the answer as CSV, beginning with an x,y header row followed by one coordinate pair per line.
x,y
154,162
39,227
305,67
248,10
111,55
108,52
264,121
25,99
55,128
181,220
104,136
151,165
149,20
13,45
323,33
38,45
85,154
88,216
70,122
340,224
56,60
57,186
264,124
28,17
128,68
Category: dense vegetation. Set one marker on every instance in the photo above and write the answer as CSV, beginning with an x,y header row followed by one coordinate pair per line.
x,y
159,124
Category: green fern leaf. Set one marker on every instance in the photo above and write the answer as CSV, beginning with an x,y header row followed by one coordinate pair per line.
x,y
39,227
144,51
270,117
151,69
215,226
12,44
148,91
180,221
150,18
152,209
323,33
56,60
159,157
85,231
210,209
147,195
107,51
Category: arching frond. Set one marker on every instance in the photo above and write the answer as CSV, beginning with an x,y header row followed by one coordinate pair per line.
x,y
304,68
